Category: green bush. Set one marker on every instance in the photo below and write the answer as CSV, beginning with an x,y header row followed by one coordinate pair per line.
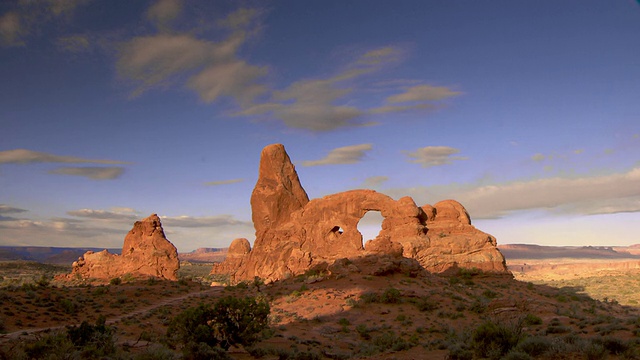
x,y
534,346
491,340
391,296
531,319
229,322
115,281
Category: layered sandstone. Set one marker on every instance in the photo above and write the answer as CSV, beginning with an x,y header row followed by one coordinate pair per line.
x,y
146,253
294,234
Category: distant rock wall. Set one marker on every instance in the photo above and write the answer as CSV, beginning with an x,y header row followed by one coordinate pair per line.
x,y
294,234
146,253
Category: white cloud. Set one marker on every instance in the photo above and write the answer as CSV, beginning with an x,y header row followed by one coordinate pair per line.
x,y
223,182
434,156
91,172
22,156
343,155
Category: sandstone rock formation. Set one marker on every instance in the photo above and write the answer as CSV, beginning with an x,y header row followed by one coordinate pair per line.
x,y
238,250
294,234
146,252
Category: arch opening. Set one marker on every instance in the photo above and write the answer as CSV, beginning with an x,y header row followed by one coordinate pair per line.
x,y
370,225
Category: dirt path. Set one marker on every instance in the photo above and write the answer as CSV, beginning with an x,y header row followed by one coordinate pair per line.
x,y
115,319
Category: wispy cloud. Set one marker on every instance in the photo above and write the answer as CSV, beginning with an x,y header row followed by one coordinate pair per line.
x,y
203,221
223,182
211,69
6,209
587,195
343,155
91,172
375,181
417,97
117,214
163,12
434,156
22,156
74,43
319,104
26,17
12,29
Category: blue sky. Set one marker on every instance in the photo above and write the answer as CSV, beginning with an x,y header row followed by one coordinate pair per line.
x,y
526,112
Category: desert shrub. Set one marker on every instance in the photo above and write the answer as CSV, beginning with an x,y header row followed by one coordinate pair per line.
x,y
368,298
68,306
613,345
363,331
115,281
93,340
54,345
425,304
391,296
389,340
489,294
458,351
478,307
534,346
594,351
44,281
492,340
156,352
531,319
517,355
229,322
203,351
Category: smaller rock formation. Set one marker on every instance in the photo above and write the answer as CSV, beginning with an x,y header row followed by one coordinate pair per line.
x,y
146,252
236,254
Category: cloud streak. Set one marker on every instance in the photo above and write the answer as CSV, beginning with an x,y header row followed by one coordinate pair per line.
x,y
434,156
203,221
23,156
6,209
315,104
343,155
91,172
595,195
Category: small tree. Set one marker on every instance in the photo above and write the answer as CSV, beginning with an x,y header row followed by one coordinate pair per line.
x,y
231,321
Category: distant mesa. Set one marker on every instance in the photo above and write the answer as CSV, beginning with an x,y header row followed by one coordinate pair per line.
x,y
146,253
295,234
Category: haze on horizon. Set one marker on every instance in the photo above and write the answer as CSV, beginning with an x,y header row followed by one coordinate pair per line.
x,y
525,112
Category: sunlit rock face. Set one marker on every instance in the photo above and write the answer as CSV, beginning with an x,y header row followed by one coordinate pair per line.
x,y
294,235
146,253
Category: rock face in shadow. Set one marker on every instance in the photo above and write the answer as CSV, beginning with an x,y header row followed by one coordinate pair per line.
x,y
294,235
146,253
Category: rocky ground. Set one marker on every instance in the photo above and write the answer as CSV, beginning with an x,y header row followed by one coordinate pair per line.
x,y
315,316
